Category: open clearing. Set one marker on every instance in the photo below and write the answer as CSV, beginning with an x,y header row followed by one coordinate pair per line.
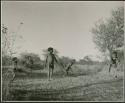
x,y
98,87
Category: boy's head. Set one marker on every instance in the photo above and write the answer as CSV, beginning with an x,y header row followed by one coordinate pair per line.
x,y
14,59
50,49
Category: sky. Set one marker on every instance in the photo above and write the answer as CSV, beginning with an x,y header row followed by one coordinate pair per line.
x,y
65,26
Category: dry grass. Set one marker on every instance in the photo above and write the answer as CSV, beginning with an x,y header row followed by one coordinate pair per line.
x,y
23,88
65,82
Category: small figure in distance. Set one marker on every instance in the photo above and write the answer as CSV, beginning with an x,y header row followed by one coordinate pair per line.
x,y
114,61
69,66
15,66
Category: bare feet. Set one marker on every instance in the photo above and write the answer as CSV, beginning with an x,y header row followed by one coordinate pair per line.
x,y
50,79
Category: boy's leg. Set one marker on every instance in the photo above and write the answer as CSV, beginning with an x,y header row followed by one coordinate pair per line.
x,y
48,71
13,78
16,66
110,67
52,69
71,70
115,64
67,71
116,70
52,72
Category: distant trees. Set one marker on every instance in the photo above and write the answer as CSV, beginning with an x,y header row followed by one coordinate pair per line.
x,y
86,60
31,60
109,35
65,60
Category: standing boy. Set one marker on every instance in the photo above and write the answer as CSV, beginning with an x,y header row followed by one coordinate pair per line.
x,y
15,64
114,61
50,60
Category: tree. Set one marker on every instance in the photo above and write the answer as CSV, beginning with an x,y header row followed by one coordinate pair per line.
x,y
109,35
8,49
5,41
9,40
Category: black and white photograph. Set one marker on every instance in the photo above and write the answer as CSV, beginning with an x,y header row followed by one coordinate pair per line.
x,y
62,51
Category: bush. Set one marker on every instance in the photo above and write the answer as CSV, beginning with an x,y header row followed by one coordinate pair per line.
x,y
36,66
65,60
31,60
6,60
86,69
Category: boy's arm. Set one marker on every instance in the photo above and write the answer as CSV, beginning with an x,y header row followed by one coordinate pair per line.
x,y
55,59
58,61
117,60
